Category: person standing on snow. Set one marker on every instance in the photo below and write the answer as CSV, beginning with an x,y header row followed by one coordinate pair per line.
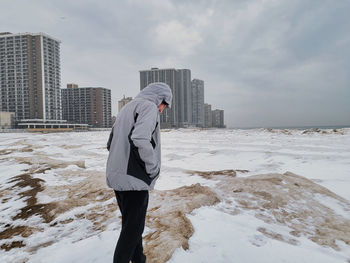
x,y
133,165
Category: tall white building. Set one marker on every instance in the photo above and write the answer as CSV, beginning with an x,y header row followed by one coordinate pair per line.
x,y
30,76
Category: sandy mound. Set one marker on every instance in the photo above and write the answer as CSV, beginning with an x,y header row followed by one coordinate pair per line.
x,y
167,217
307,208
85,196
210,174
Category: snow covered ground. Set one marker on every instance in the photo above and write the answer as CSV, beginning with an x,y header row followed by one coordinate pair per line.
x,y
55,206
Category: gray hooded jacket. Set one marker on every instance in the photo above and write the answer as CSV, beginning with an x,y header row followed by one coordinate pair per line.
x,y
134,156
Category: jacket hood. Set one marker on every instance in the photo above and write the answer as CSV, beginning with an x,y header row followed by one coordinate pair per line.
x,y
156,92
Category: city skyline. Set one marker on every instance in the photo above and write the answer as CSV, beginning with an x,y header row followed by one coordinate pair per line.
x,y
30,88
266,63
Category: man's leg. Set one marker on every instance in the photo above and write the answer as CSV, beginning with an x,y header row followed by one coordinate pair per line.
x,y
138,256
133,206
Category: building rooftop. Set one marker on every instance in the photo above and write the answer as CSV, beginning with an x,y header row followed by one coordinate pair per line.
x,y
7,34
155,69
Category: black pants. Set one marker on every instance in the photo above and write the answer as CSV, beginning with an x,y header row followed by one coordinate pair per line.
x,y
133,207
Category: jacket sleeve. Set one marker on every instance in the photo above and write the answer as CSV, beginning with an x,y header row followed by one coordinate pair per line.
x,y
142,135
109,142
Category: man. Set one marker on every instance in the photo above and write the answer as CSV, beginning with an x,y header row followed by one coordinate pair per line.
x,y
134,163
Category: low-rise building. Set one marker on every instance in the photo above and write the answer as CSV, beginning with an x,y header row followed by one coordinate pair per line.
x,y
89,105
40,125
7,120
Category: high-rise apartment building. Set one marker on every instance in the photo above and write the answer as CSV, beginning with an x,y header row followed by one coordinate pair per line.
x,y
207,116
218,119
89,105
30,76
198,102
179,81
184,97
123,102
168,118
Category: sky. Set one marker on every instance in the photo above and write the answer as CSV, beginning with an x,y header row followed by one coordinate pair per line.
x,y
267,63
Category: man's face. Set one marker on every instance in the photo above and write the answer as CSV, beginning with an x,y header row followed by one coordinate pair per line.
x,y
161,107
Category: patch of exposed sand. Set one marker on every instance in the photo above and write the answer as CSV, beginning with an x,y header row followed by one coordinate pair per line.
x,y
47,211
210,174
307,131
65,146
91,190
322,131
24,146
43,162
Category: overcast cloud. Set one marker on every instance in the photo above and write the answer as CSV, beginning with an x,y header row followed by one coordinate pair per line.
x,y
265,62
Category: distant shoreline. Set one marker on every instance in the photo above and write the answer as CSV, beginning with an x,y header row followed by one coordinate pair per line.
x,y
228,128
293,127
